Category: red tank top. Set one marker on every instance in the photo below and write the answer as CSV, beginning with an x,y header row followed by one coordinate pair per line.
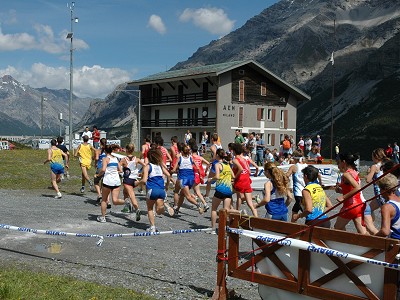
x,y
346,188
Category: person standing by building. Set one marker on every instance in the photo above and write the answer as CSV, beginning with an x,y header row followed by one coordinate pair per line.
x,y
318,142
188,136
300,144
389,151
238,137
260,147
307,145
396,153
85,152
204,140
251,145
96,137
55,156
87,133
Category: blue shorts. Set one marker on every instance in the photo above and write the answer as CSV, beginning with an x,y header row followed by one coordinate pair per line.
x,y
367,211
189,182
57,168
155,194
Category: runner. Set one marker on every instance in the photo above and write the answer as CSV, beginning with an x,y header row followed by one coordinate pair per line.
x,y
111,182
315,200
242,181
214,147
130,170
350,188
85,152
275,191
185,168
156,187
63,148
204,140
98,161
199,177
379,158
223,187
55,156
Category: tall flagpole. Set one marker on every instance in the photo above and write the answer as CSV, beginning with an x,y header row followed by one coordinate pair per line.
x,y
333,84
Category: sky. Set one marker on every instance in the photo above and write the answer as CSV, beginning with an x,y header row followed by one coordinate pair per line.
x,y
115,41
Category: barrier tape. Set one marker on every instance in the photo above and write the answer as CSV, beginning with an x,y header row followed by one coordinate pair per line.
x,y
101,237
311,247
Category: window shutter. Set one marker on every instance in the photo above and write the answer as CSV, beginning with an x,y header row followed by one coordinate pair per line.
x,y
241,90
263,89
273,139
240,116
259,114
273,115
285,118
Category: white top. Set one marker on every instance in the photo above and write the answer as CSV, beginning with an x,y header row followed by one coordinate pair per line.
x,y
87,133
111,175
298,180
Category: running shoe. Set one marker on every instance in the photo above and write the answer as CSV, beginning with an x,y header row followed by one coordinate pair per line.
x,y
67,174
125,209
170,211
128,205
176,211
92,189
98,199
108,206
206,207
101,219
58,196
82,189
201,210
243,212
257,198
138,215
152,229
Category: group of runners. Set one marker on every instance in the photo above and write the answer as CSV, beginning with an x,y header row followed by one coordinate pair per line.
x,y
230,171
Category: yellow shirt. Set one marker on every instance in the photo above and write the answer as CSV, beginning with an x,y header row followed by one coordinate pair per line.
x,y
56,156
85,154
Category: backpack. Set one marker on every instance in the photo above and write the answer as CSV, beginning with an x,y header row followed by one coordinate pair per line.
x,y
286,145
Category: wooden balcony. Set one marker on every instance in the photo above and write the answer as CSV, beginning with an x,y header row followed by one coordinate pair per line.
x,y
178,123
189,98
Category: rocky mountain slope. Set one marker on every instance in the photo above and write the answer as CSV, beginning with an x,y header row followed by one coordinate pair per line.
x,y
295,39
20,108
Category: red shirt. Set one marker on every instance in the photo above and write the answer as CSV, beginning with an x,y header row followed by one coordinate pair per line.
x,y
96,136
164,153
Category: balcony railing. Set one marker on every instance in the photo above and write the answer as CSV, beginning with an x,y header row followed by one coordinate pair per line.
x,y
193,97
201,122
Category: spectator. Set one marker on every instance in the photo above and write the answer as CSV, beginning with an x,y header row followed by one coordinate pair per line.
x,y
396,152
268,156
87,133
260,146
389,151
96,138
251,145
308,145
300,144
314,155
188,136
318,142
286,145
204,140
238,137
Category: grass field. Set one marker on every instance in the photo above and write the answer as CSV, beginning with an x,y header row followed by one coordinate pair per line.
x,y
24,170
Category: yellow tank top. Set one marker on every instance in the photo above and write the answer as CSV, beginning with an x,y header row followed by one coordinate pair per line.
x,y
85,153
56,156
318,197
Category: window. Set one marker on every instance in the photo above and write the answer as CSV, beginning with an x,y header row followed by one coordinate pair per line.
x,y
270,139
180,116
240,116
281,137
205,90
269,114
284,119
241,90
263,89
157,117
260,114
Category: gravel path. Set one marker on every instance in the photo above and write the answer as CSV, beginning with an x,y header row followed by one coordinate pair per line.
x,y
167,266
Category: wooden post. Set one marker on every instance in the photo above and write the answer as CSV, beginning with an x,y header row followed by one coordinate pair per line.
x,y
221,292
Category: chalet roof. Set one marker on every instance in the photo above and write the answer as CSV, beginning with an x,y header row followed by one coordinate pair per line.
x,y
216,70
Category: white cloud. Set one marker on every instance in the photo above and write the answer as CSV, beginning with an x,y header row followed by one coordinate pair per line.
x,y
95,81
157,24
212,19
44,40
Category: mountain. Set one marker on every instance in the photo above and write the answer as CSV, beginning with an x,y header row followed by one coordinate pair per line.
x,y
116,114
295,39
20,107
